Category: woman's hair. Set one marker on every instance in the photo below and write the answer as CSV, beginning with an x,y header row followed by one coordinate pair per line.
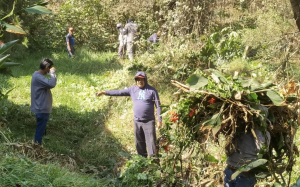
x,y
46,63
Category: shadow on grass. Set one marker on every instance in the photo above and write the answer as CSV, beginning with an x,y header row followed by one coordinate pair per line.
x,y
80,135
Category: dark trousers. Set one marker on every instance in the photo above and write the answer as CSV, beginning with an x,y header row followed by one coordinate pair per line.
x,y
240,181
41,123
145,135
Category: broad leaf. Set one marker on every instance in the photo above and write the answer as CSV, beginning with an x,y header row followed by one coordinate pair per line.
x,y
255,85
252,97
219,74
245,83
252,84
7,46
11,12
210,158
268,85
2,60
38,10
248,167
216,120
275,97
14,29
262,175
197,81
9,64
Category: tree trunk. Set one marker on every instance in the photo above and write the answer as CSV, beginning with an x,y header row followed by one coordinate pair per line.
x,y
296,9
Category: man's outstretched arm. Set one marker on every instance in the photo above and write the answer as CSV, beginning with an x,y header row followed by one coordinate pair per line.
x,y
124,92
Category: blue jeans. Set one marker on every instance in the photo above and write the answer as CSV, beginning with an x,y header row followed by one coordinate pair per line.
x,y
239,181
41,123
72,50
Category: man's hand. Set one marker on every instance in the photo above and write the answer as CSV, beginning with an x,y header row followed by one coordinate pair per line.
x,y
159,124
100,93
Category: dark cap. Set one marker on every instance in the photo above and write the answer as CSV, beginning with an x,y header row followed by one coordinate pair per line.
x,y
139,76
130,20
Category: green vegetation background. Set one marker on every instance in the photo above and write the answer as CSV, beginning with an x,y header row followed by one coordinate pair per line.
x,y
88,138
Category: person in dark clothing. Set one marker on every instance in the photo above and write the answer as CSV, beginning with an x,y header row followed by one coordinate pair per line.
x,y
247,150
70,42
130,30
144,97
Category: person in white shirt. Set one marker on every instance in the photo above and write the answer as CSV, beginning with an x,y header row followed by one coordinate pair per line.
x,y
122,40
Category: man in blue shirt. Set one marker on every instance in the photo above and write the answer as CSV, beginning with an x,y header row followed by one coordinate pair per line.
x,y
70,42
144,98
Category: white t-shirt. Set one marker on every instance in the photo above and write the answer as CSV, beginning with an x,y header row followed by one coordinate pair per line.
x,y
122,38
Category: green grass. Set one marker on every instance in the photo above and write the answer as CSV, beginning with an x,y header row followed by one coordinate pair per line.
x,y
79,124
19,170
93,131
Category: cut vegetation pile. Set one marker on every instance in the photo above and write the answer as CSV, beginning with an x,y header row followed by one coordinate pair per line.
x,y
212,105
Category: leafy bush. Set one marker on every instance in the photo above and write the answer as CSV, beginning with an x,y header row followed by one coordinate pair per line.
x,y
222,47
4,69
139,171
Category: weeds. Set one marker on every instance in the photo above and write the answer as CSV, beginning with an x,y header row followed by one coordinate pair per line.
x,y
19,171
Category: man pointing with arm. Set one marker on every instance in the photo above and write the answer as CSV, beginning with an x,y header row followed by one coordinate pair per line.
x,y
144,97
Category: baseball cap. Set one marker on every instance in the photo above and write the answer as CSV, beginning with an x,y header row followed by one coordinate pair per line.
x,y
139,76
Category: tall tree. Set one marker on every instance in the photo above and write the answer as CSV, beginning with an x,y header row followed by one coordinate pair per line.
x,y
296,9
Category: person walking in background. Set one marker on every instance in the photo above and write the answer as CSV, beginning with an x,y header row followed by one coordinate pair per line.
x,y
144,97
70,42
41,96
155,37
122,41
130,30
